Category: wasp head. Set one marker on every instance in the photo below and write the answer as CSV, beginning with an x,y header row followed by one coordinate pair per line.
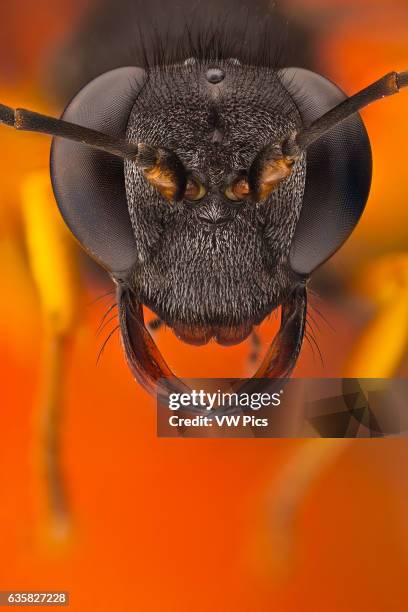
x,y
212,256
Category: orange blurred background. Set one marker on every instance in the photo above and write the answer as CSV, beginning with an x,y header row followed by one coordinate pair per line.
x,y
182,525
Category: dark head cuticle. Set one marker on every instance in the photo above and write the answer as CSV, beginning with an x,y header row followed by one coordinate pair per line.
x,y
213,262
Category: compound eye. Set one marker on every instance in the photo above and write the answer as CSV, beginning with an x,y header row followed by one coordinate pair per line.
x,y
238,190
338,173
89,185
195,190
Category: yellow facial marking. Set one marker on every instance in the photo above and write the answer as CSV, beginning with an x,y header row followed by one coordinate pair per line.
x,y
195,190
163,180
273,172
238,190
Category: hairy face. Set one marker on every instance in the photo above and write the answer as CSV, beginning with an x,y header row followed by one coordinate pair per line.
x,y
213,267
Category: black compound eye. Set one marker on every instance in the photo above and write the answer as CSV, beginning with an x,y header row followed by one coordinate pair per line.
x,y
89,184
195,190
338,173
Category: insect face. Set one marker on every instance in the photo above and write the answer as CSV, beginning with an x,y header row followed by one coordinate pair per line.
x,y
214,265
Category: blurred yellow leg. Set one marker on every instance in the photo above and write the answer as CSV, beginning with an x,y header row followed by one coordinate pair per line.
x,y
376,354
382,344
50,251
